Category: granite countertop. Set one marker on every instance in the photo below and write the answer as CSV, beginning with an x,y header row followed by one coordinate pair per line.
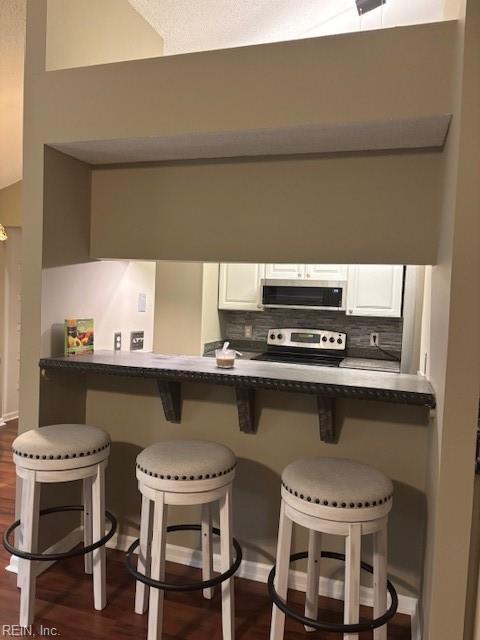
x,y
371,364
326,381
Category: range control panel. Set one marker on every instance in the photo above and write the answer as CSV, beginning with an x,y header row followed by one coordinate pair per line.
x,y
307,338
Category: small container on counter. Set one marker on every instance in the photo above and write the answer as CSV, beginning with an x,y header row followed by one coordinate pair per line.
x,y
225,358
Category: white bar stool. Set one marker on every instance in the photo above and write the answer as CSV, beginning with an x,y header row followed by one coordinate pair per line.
x,y
188,472
61,453
339,497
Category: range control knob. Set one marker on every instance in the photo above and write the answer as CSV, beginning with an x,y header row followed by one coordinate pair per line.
x,y
324,338
332,339
340,341
272,336
279,336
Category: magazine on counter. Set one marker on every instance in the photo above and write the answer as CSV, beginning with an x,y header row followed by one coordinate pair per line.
x,y
78,336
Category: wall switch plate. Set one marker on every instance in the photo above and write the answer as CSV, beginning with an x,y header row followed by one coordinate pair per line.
x,y
136,340
117,341
142,303
374,339
248,331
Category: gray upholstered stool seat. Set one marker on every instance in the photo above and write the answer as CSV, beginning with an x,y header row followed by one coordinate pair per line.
x,y
186,460
338,483
61,446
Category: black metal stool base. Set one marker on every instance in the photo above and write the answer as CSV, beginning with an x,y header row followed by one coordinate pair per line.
x,y
49,557
190,586
331,626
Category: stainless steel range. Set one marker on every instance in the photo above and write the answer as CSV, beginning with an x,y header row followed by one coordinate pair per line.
x,y
305,346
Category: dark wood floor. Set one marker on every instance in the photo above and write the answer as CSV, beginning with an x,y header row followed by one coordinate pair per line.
x,y
64,596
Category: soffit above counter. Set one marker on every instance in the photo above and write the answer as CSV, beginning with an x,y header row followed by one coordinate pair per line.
x,y
382,135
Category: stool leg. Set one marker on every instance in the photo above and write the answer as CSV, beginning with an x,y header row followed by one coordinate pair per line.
x,y
18,539
98,527
380,580
144,554
207,551
281,577
352,578
313,576
29,516
87,522
155,608
226,558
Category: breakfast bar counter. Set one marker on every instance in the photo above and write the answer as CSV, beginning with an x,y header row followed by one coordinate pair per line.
x,y
247,376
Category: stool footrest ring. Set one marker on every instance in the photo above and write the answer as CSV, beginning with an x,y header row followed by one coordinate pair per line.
x,y
190,586
49,557
331,626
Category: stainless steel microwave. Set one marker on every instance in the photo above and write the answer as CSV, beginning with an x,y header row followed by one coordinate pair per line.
x,y
304,294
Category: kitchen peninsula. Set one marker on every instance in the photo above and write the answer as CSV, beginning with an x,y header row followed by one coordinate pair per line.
x,y
248,376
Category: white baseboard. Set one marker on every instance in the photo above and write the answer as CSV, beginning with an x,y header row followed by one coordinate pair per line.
x,y
8,417
65,544
257,571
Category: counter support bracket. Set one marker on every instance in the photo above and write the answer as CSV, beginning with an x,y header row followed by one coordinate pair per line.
x,y
170,393
326,418
246,409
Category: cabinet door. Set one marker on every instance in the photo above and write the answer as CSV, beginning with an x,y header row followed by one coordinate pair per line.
x,y
239,286
326,271
285,271
375,290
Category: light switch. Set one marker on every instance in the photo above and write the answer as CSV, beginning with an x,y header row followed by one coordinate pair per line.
x,y
142,302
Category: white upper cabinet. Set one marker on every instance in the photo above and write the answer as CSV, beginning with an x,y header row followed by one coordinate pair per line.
x,y
306,271
326,271
375,290
285,271
239,286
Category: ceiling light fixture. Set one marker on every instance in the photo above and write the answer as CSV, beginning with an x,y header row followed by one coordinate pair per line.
x,y
364,6
3,233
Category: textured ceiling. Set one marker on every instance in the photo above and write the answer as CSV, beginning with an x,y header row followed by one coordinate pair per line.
x,y
12,45
199,25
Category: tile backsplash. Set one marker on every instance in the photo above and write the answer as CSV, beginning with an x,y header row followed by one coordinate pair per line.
x,y
357,328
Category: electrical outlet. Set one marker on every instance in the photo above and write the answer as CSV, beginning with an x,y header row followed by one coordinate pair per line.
x,y
117,341
248,331
136,340
374,339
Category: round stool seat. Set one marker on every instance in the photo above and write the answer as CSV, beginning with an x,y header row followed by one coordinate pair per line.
x,y
61,446
337,483
184,461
